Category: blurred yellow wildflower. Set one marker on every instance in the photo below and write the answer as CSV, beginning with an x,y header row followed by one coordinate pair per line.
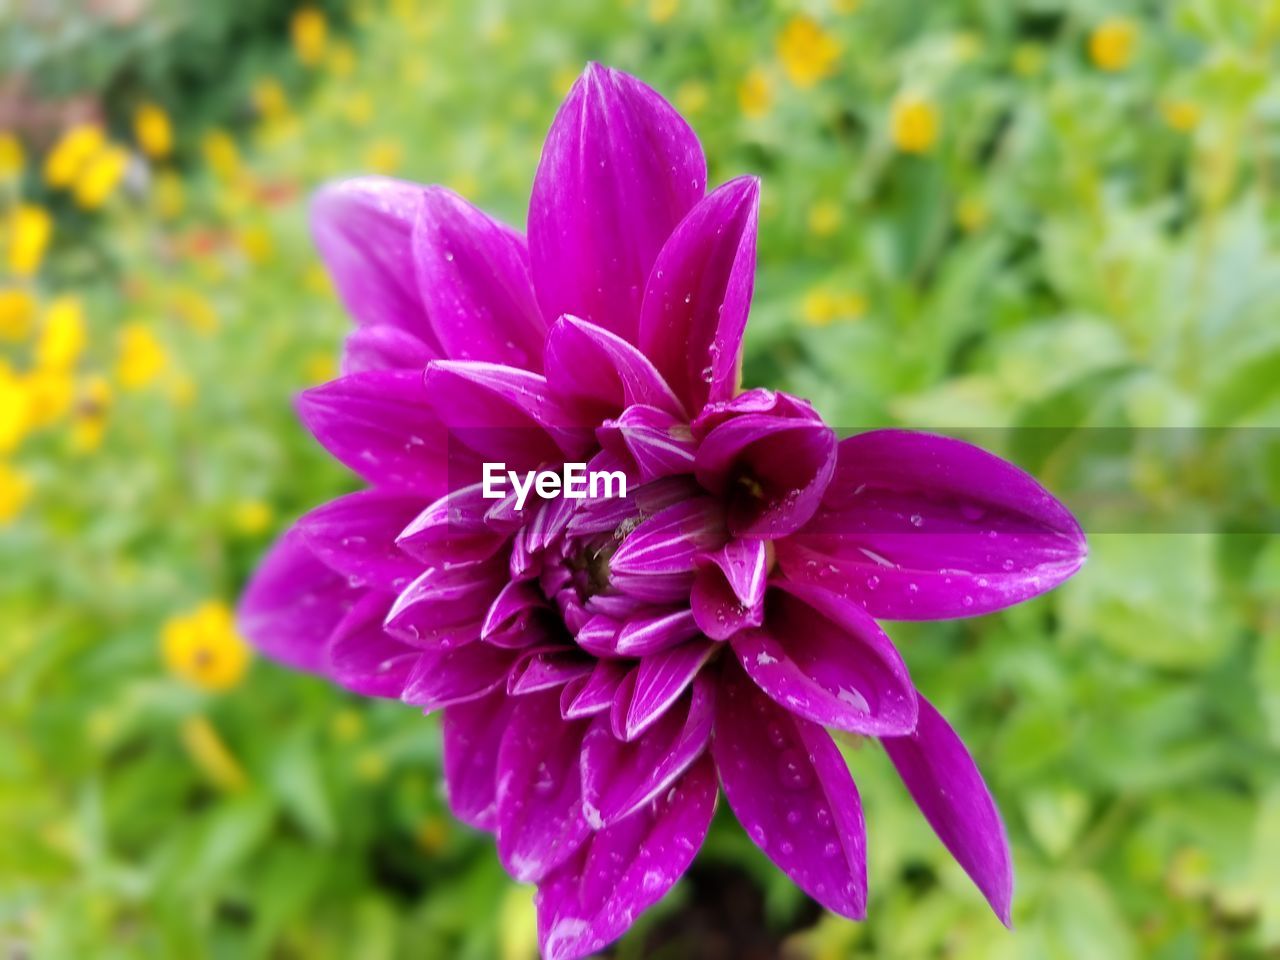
x,y
347,725
755,93
563,79
845,6
309,32
341,61
100,177
195,310
142,357
62,334
913,123
182,390
203,648
15,416
692,96
660,11
12,156
824,218
808,52
211,755
153,131
1113,43
168,195
371,766
256,244
17,313
72,151
1180,114
432,834
320,368
15,491
220,154
89,419
269,99
30,228
822,306
250,517
316,280
971,213
384,156
1028,59
49,395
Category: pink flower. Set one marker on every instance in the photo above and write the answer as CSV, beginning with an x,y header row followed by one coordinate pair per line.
x,y
605,666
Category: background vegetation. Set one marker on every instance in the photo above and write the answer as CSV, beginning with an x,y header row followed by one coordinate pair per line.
x,y
1003,215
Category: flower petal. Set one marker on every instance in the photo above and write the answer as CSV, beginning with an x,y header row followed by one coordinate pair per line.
x,y
472,733
356,536
380,425
473,277
363,229
293,603
791,791
728,589
443,677
657,443
668,541
619,778
599,370
453,529
362,657
699,292
653,633
384,347
823,658
540,821
922,527
773,471
593,695
947,787
660,678
624,869
446,606
620,168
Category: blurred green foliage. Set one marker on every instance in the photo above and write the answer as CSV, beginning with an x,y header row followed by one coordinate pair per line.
x,y
977,214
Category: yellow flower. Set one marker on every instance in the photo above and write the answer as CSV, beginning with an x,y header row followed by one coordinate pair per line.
x,y
384,156
808,52
12,156
660,11
153,131
341,61
220,154
320,368
89,421
846,6
15,491
971,213
62,335
142,356
1181,115
71,152
256,244
371,766
210,754
15,410
821,306
195,309
30,228
316,280
269,99
755,93
1113,43
49,395
17,313
250,517
692,97
203,648
1028,59
347,725
824,218
913,124
99,179
309,30
168,195
563,79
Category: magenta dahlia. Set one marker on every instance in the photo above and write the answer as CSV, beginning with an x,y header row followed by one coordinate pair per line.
x,y
606,665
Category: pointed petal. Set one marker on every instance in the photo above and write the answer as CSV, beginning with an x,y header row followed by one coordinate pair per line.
x,y
728,590
453,529
947,787
446,606
620,168
773,471
472,733
595,694
540,821
791,791
363,657
380,425
599,370
823,658
473,277
548,668
699,292
356,535
443,677
293,603
641,636
668,541
921,527
363,228
657,443
384,347
619,778
660,679
624,869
